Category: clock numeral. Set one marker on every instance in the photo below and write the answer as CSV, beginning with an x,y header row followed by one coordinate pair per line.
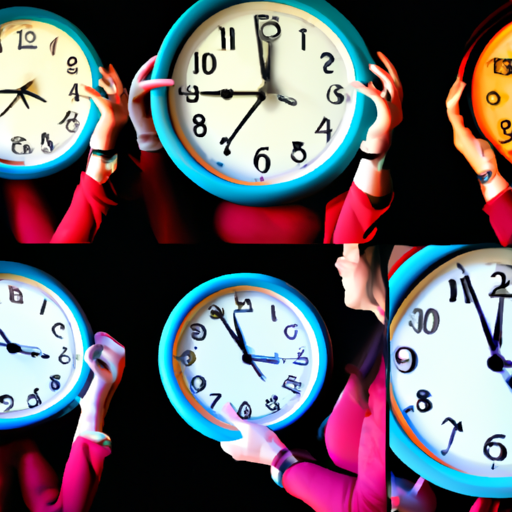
x,y
491,444
231,38
292,384
72,124
301,361
25,148
7,400
327,130
273,313
453,290
505,125
298,154
197,384
64,358
303,39
272,404
257,158
339,98
245,411
15,295
72,69
423,321
198,332
60,326
53,46
74,92
29,37
294,335
54,382
330,60
208,63
502,286
43,307
188,358
409,408
406,359
46,144
457,427
192,97
241,303
200,129
423,404
493,98
275,29
503,66
217,398
34,397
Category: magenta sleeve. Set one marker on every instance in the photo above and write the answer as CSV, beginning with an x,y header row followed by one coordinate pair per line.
x,y
499,210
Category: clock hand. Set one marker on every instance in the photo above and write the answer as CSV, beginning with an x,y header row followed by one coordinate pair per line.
x,y
287,100
227,94
498,328
14,348
265,359
263,67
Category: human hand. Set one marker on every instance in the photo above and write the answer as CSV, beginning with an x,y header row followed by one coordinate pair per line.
x,y
258,444
139,107
409,497
388,103
114,110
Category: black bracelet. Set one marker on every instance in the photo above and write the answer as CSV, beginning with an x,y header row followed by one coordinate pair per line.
x,y
104,153
368,156
484,177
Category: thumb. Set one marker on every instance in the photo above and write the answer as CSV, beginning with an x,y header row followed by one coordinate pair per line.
x,y
229,413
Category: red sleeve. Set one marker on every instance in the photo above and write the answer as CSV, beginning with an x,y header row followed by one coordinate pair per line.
x,y
499,210
83,218
350,218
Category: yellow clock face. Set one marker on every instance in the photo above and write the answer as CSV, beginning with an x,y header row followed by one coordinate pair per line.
x,y
492,91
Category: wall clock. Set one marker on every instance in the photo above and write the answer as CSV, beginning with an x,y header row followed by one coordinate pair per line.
x,y
451,368
248,339
43,337
261,111
45,120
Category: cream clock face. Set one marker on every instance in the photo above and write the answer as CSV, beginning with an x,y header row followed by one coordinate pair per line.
x,y
248,346
262,93
451,364
41,353
43,108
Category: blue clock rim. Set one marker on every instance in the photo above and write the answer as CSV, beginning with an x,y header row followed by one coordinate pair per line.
x,y
402,281
19,172
165,351
69,401
277,193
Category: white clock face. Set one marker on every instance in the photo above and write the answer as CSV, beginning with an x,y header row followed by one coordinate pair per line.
x,y
40,351
42,104
248,346
451,370
296,114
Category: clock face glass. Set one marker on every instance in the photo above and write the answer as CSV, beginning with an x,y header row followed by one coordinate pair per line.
x,y
40,351
287,125
451,377
492,91
248,346
42,104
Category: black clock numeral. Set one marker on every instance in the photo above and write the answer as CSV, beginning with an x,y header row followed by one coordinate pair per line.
x,y
266,159
25,149
197,384
208,63
505,125
231,38
330,60
188,358
424,321
423,404
72,69
406,359
301,360
200,129
74,92
409,408
54,382
73,123
298,154
493,98
198,332
7,400
192,96
328,130
502,286
33,399
503,66
294,335
339,98
453,290
60,326
457,427
272,404
276,33
245,411
273,313
46,144
292,384
217,398
303,39
241,303
43,307
490,444
15,295
29,37
64,358
53,46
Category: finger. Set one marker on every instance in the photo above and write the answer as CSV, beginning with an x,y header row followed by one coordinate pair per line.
x,y
351,252
230,413
115,77
383,121
386,80
452,101
146,69
100,102
394,75
369,90
149,85
345,267
108,86
91,355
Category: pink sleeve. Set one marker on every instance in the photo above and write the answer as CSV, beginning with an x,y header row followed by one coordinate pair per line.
x,y
350,218
83,218
499,210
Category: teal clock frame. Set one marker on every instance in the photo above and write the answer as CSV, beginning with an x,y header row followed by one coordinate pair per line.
x,y
278,193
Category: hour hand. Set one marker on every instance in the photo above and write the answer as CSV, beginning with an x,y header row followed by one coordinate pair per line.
x,y
227,94
265,359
